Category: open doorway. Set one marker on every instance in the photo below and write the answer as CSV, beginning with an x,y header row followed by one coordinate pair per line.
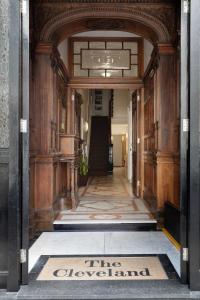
x,y
105,191
135,178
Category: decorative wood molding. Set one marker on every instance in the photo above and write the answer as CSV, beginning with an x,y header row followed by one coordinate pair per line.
x,y
158,16
166,49
44,48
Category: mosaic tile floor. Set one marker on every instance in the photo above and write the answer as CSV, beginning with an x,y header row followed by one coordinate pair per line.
x,y
107,199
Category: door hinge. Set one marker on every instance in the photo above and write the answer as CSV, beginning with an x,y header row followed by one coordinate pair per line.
x,y
186,125
138,98
23,7
138,140
186,6
23,126
185,254
138,183
23,256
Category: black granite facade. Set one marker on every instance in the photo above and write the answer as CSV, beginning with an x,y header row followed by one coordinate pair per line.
x,y
4,137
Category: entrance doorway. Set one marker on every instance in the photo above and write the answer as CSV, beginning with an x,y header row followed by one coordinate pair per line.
x,y
103,133
150,167
110,135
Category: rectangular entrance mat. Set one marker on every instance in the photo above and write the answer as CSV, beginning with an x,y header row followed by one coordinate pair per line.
x,y
104,268
170,288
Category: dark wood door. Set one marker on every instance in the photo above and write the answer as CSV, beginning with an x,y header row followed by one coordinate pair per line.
x,y
134,142
99,146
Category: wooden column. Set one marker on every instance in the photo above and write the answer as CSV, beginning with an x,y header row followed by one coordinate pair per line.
x,y
70,148
167,130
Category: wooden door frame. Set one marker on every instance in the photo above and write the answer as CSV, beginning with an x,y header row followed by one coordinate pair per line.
x,y
134,97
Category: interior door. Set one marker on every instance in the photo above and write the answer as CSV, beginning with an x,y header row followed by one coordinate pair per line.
x,y
134,142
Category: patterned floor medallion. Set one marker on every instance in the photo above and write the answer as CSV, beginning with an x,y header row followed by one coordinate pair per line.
x,y
107,198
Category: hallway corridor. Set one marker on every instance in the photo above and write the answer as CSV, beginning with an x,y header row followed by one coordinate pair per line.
x,y
107,200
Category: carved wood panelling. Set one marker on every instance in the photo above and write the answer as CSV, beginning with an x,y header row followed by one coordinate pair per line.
x,y
150,174
53,172
161,130
159,17
54,146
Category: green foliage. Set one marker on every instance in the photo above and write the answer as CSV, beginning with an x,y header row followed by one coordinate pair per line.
x,y
83,166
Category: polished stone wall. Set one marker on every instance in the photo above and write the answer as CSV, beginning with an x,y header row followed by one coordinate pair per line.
x,y
4,52
4,137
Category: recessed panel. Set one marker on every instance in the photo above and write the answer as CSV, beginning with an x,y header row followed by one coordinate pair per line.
x,y
131,73
77,59
114,45
97,45
80,45
97,73
80,72
114,73
134,59
132,46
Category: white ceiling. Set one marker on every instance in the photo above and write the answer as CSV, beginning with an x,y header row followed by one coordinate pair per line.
x,y
106,33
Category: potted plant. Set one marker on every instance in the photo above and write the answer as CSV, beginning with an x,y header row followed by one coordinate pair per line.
x,y
83,171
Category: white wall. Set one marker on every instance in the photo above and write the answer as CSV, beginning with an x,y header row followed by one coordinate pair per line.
x,y
120,103
148,48
63,50
119,129
85,117
117,151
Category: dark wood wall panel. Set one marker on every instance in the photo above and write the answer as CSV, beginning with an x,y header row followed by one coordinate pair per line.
x,y
161,130
149,142
54,139
168,129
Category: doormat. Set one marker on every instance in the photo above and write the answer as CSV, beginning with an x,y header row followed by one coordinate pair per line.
x,y
103,268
